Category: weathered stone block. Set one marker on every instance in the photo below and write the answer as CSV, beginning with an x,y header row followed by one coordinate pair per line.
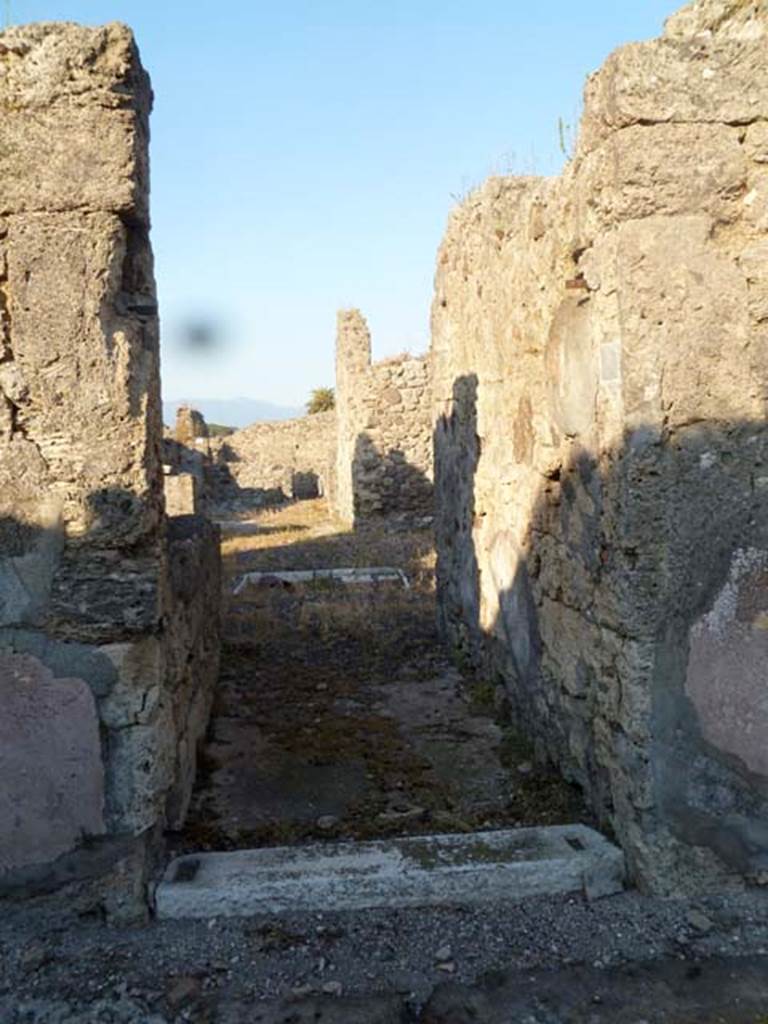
x,y
181,495
74,130
68,160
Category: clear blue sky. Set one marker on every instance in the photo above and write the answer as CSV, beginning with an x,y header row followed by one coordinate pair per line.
x,y
305,157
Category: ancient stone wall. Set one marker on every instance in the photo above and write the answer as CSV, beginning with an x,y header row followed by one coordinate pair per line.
x,y
384,417
371,455
104,661
188,465
600,379
190,425
272,461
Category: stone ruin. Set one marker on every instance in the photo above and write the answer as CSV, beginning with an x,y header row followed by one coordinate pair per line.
x,y
370,456
108,609
270,462
384,432
597,382
600,375
187,465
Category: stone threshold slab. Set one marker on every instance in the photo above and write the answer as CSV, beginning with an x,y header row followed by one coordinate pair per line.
x,y
475,868
375,574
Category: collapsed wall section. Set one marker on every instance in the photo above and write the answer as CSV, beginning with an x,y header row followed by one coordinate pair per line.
x,y
271,461
601,451
100,661
384,421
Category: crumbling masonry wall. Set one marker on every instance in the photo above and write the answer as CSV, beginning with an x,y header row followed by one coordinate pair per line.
x,y
187,465
272,461
108,614
599,371
370,456
384,424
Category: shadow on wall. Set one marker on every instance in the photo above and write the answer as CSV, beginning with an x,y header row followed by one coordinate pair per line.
x,y
628,621
457,451
305,486
226,488
100,726
386,483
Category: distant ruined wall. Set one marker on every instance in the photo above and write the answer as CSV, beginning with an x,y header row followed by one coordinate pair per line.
x,y
187,465
190,425
108,616
384,417
600,375
271,461
371,455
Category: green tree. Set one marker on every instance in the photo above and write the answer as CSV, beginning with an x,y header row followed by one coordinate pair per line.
x,y
321,400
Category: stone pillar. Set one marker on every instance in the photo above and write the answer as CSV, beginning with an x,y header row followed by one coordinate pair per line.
x,y
190,425
86,593
353,362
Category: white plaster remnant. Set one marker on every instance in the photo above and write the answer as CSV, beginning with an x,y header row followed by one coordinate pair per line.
x,y
610,362
376,574
722,615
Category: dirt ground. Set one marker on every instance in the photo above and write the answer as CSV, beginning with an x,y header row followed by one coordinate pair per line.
x,y
339,714
627,959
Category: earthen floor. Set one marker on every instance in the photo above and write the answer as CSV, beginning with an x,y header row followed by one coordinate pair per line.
x,y
339,714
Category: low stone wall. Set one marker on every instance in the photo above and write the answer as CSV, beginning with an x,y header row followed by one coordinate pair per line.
x,y
272,461
108,616
384,416
600,377
193,645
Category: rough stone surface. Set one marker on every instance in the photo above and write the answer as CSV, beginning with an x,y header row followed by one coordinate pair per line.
x,y
92,584
192,647
187,465
182,494
384,417
371,455
51,775
190,426
599,375
271,461
479,868
61,90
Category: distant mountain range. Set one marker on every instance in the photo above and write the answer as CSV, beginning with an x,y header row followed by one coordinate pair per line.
x,y
231,412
